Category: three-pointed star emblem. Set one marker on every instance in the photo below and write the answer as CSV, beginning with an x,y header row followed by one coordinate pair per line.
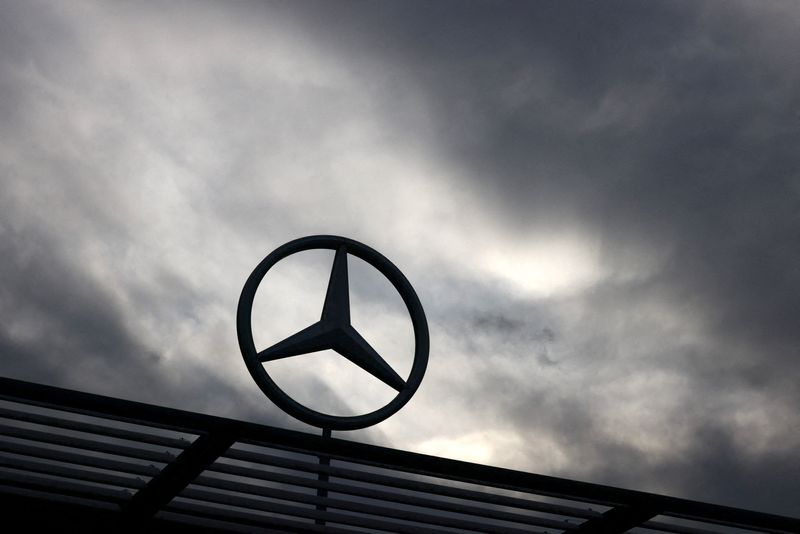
x,y
334,331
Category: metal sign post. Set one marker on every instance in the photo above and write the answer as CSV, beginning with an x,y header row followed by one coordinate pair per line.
x,y
322,478
334,331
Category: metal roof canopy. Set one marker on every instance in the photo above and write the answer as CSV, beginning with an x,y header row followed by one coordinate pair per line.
x,y
101,463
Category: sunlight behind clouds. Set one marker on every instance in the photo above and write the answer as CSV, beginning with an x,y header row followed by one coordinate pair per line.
x,y
497,447
478,447
546,266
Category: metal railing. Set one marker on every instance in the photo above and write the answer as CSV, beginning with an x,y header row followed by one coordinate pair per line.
x,y
129,466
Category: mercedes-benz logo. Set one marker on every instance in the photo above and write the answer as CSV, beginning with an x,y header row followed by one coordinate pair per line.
x,y
333,331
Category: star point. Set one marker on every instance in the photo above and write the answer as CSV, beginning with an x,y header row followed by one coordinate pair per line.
x,y
334,331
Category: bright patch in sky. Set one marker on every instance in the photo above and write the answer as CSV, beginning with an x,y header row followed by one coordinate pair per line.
x,y
477,447
544,267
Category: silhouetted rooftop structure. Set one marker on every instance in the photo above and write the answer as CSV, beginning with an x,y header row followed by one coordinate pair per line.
x,y
91,463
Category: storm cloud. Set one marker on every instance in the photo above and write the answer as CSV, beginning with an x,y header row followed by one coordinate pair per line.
x,y
598,204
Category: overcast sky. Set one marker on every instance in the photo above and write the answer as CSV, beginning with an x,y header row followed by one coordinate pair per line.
x,y
598,204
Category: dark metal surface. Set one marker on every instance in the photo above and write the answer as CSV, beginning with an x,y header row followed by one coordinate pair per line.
x,y
175,477
322,478
619,519
270,479
334,331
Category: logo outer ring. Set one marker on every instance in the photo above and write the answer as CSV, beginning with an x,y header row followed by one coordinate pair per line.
x,y
274,392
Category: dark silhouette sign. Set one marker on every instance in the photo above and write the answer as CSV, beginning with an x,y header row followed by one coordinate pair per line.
x,y
334,331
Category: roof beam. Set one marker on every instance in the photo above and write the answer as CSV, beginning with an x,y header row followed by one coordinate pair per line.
x,y
618,520
175,476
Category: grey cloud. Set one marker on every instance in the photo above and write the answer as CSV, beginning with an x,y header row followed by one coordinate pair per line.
x,y
664,133
61,327
689,396
705,167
